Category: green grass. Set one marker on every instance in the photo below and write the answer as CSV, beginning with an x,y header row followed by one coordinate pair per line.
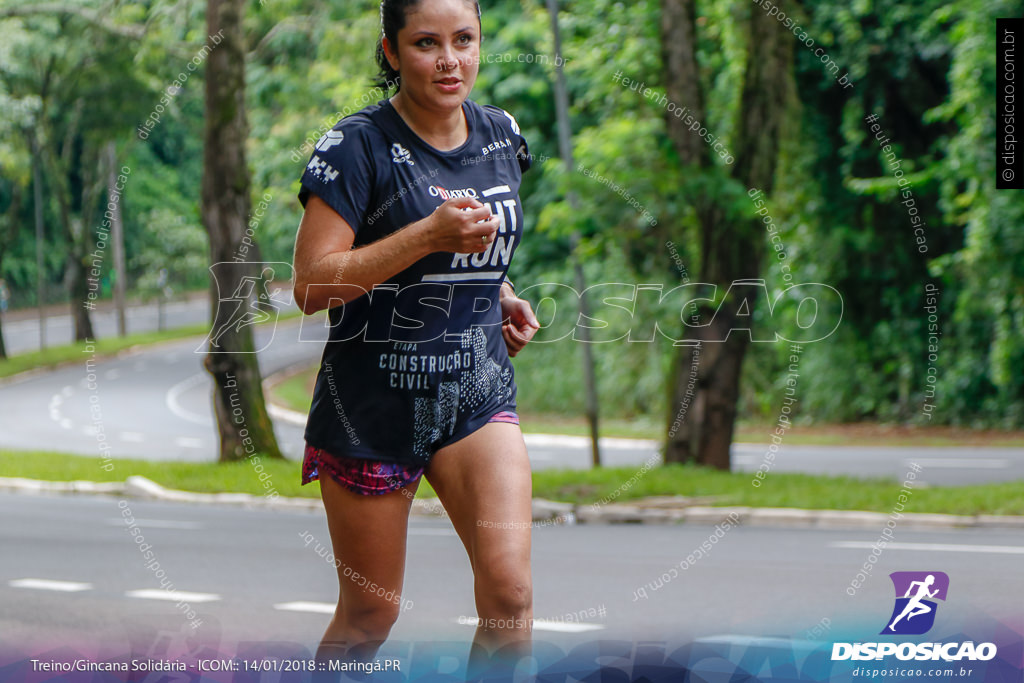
x,y
205,477
581,487
777,490
295,392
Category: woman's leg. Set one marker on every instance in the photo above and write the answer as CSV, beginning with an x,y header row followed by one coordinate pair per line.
x,y
368,534
484,483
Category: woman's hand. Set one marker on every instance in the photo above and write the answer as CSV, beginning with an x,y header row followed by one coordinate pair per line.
x,y
461,225
520,322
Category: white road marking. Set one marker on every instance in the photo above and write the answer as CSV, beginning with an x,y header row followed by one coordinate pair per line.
x,y
50,585
936,547
958,463
134,437
173,596
54,408
157,523
564,626
189,442
180,388
315,607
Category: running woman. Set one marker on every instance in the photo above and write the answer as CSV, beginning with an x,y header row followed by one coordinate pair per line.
x,y
412,216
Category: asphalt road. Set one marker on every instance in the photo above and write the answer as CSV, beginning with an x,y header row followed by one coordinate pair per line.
x,y
21,328
154,403
70,573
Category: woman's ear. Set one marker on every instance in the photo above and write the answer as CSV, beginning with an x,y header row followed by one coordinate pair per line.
x,y
390,53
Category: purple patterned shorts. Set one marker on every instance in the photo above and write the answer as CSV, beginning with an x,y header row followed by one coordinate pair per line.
x,y
369,477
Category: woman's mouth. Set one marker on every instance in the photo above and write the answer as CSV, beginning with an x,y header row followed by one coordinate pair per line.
x,y
449,84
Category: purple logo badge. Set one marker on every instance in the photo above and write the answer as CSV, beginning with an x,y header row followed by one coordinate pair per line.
x,y
916,592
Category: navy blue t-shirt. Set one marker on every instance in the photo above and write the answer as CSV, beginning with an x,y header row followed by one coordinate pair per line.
x,y
419,362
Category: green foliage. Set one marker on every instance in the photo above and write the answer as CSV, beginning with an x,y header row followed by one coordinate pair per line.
x,y
173,254
801,491
983,297
926,70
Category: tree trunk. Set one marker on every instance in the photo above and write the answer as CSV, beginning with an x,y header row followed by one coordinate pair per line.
x,y
242,420
83,245
77,280
13,214
682,81
61,166
116,238
76,276
731,250
684,88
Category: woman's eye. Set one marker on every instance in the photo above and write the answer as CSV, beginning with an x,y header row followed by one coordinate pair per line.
x,y
464,39
425,42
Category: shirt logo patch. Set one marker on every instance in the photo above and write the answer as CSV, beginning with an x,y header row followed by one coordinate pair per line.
x,y
446,194
329,139
321,169
400,155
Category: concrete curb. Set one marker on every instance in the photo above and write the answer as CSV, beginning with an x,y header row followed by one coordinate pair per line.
x,y
275,410
546,512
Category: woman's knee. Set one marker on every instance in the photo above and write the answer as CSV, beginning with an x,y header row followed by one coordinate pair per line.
x,y
514,597
374,618
505,593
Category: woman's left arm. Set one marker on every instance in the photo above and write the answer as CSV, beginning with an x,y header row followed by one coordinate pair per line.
x,y
520,323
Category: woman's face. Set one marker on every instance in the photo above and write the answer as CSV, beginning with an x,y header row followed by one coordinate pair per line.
x,y
437,53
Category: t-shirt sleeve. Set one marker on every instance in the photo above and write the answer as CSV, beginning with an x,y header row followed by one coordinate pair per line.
x,y
507,121
341,172
523,155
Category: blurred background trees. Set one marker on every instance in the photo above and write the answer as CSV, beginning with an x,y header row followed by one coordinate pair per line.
x,y
73,79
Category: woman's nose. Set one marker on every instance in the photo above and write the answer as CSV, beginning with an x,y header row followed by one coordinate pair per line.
x,y
448,59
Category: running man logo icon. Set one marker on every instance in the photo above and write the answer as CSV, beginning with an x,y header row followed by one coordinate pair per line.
x,y
244,298
914,612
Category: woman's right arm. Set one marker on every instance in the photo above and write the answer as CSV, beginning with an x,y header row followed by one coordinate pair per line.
x,y
328,269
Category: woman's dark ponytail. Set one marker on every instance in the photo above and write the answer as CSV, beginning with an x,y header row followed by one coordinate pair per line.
x,y
392,20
